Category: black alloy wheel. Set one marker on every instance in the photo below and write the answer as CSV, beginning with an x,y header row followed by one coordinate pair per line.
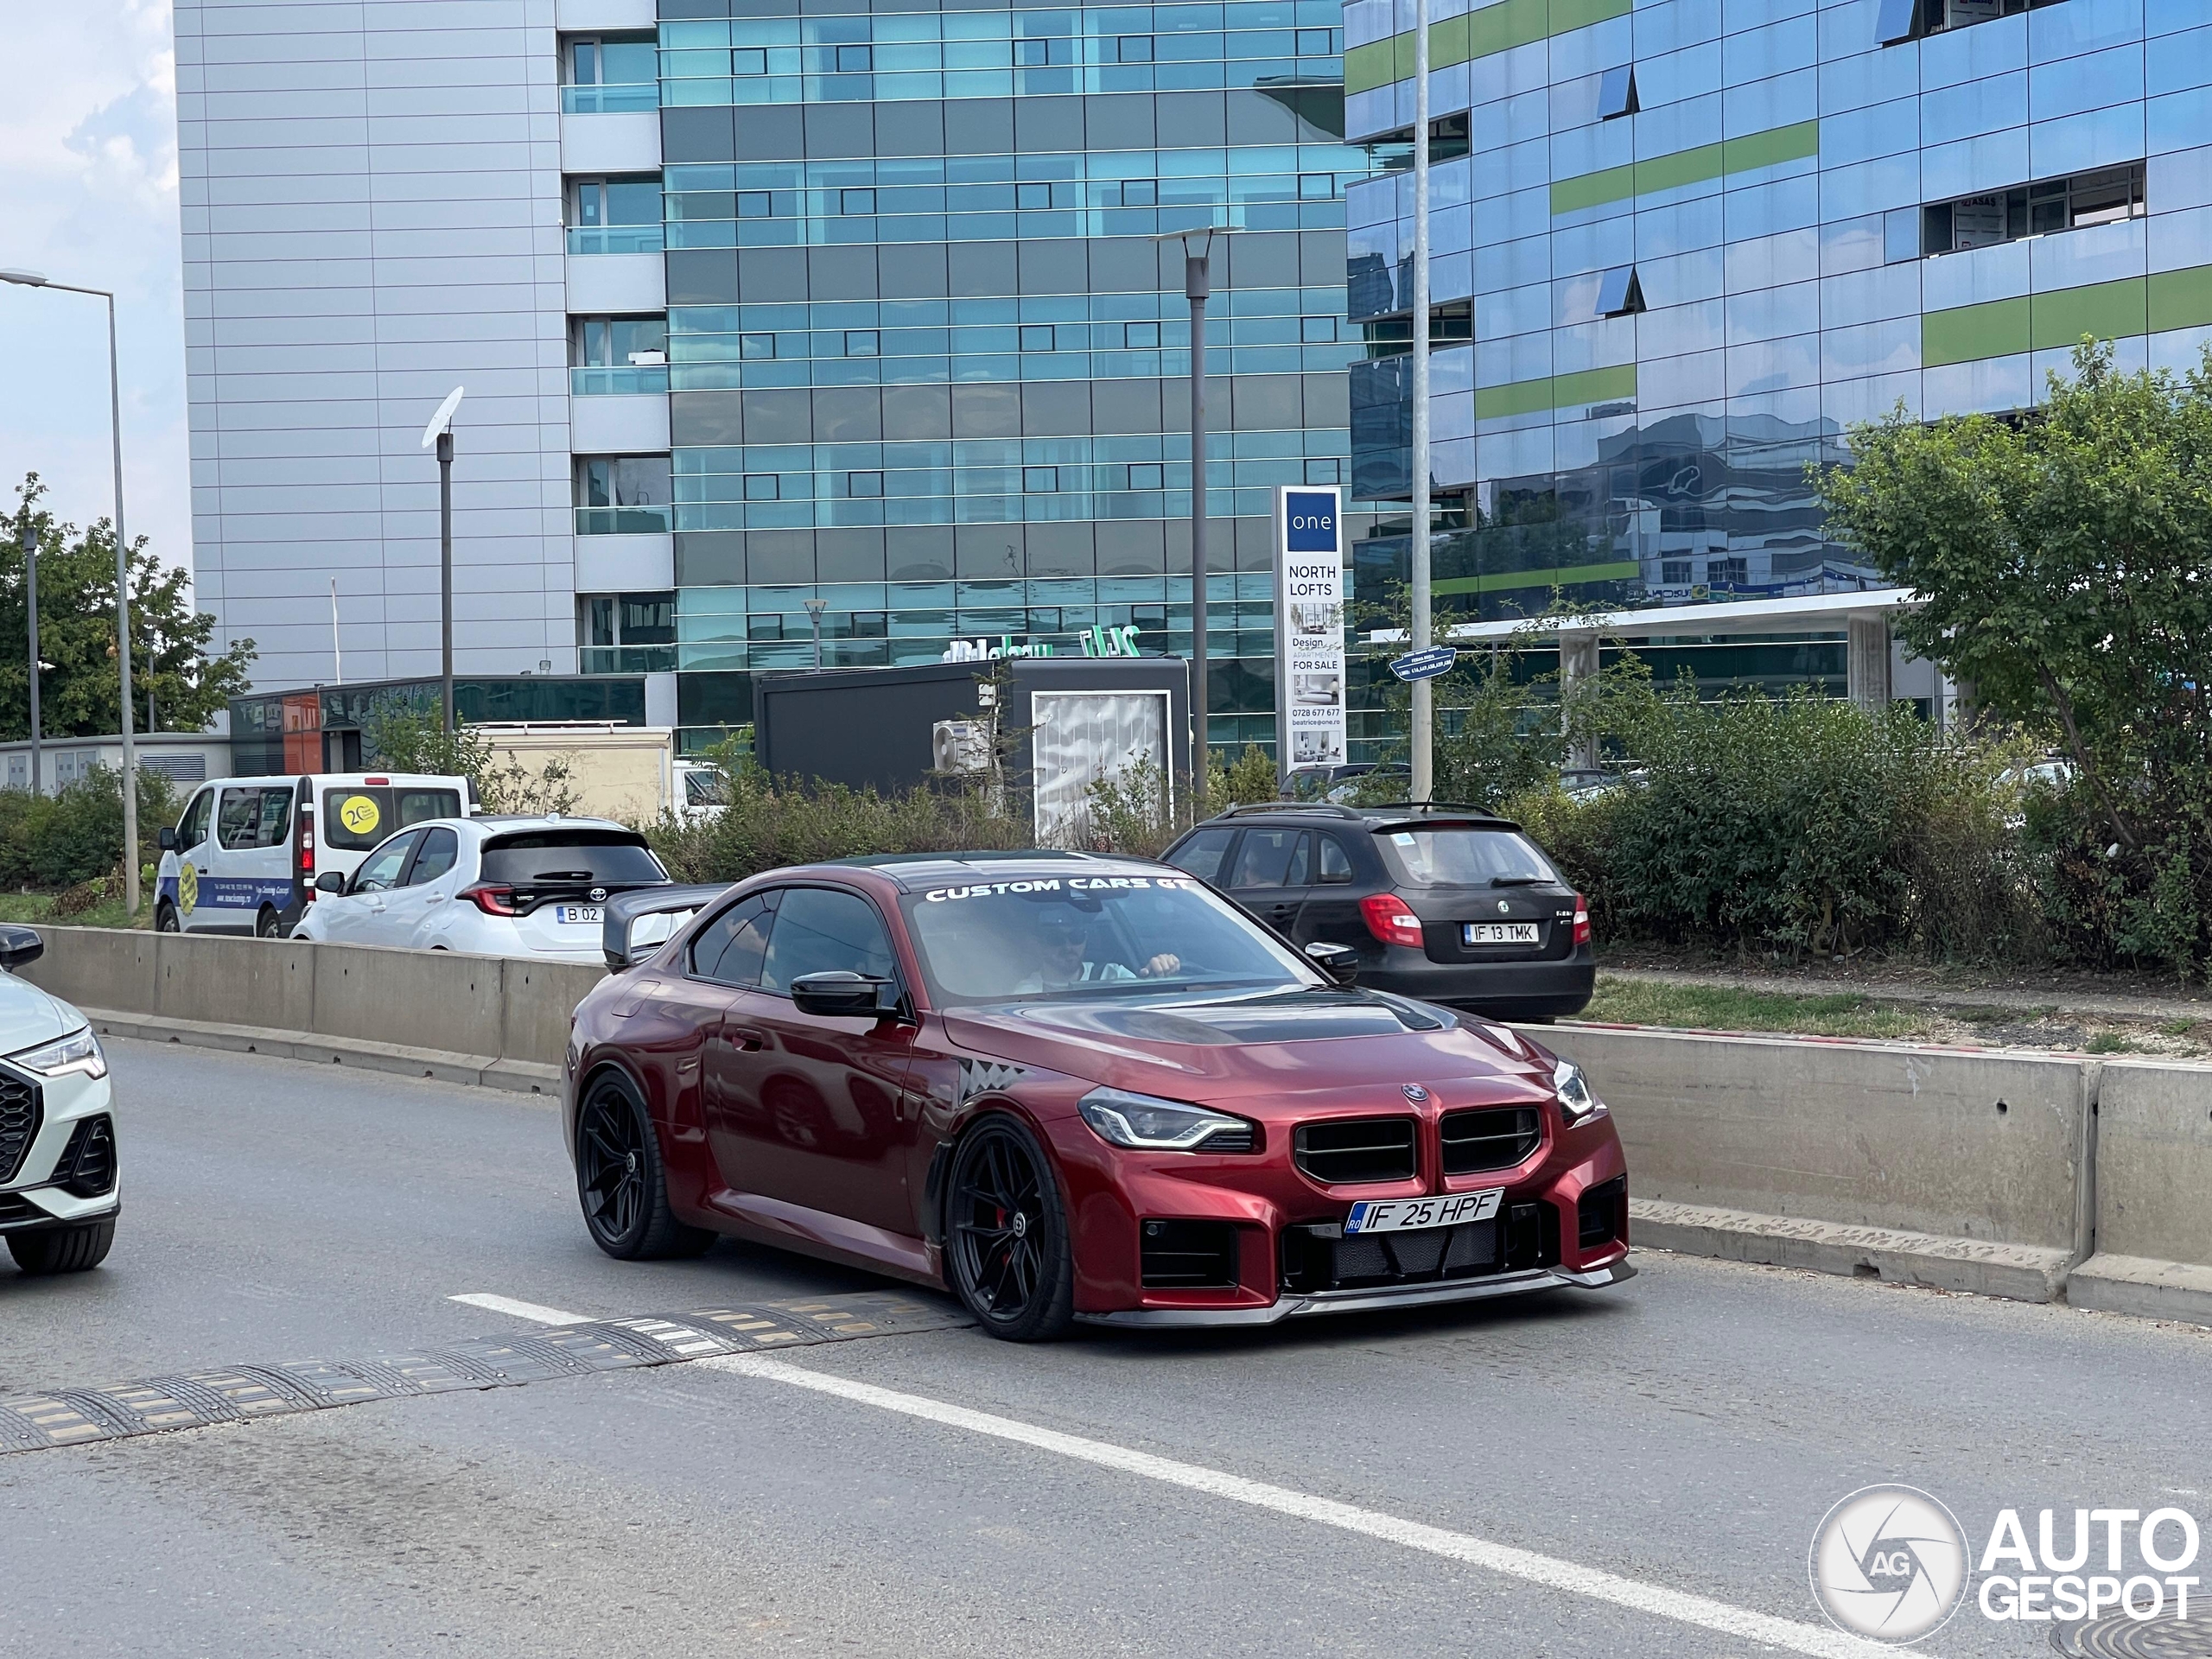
x,y
267,924
1007,1234
621,1179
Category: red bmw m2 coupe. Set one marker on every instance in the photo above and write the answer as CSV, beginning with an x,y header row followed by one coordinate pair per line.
x,y
1071,1088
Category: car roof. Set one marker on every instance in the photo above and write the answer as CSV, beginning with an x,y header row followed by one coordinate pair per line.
x,y
501,823
912,872
1396,815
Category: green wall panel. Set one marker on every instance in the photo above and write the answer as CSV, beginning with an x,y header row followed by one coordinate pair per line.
x,y
2102,310
1799,141
1556,391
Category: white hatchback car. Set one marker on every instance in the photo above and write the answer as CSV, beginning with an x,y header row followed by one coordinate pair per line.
x,y
494,887
58,1196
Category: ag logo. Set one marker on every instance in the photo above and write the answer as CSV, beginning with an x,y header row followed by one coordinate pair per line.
x,y
1888,1563
188,888
359,814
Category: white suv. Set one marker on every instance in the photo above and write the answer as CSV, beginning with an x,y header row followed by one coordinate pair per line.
x,y
494,887
58,1175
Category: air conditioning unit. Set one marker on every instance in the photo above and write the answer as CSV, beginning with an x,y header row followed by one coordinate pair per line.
x,y
960,745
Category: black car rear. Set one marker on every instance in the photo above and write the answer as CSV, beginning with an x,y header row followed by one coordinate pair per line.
x,y
1443,903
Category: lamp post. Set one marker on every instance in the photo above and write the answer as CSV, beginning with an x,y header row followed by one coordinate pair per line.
x,y
1422,738
440,433
30,604
1197,278
35,279
814,609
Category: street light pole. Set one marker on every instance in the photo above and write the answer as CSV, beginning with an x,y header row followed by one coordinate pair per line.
x,y
814,609
438,433
1423,735
30,604
35,279
1198,280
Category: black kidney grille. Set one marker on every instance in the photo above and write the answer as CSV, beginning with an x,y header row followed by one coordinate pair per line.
x,y
1491,1137
19,1122
88,1163
1346,1152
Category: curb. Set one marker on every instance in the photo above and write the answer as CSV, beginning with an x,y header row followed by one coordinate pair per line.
x,y
484,1071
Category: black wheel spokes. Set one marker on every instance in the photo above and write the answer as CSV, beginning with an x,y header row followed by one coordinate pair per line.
x,y
999,1186
613,1174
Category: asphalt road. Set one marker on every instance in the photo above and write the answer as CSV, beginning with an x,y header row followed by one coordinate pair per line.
x,y
1685,1432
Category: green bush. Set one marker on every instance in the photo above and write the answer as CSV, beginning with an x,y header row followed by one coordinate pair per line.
x,y
59,841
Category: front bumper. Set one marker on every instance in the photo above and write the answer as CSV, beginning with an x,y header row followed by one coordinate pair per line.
x,y
1290,1307
34,1196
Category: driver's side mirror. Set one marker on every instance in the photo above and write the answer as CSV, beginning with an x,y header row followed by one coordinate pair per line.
x,y
1339,962
839,993
167,839
19,945
330,881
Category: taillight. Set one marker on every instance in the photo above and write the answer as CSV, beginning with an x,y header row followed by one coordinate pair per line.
x,y
1389,920
492,901
1581,920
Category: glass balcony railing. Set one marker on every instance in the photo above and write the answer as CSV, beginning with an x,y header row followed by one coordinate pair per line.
x,y
627,380
623,99
622,521
614,239
627,660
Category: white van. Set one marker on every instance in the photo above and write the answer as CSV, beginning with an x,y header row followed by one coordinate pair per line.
x,y
244,856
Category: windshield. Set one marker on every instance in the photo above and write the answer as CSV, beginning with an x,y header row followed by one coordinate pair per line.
x,y
1081,935
587,857
1456,855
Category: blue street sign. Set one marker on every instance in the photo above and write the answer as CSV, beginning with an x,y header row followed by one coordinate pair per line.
x,y
1425,665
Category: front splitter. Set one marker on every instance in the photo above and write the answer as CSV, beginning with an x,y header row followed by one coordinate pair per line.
x,y
1370,1301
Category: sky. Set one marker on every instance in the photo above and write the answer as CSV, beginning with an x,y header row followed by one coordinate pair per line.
x,y
88,185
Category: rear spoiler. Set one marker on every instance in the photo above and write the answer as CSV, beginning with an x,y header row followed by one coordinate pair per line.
x,y
625,910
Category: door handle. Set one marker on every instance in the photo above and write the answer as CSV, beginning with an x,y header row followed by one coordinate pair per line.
x,y
739,1036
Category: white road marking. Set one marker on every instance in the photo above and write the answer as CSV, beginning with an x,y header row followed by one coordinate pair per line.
x,y
521,1310
1548,1571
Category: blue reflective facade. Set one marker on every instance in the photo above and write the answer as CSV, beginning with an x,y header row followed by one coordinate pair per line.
x,y
925,361
1687,242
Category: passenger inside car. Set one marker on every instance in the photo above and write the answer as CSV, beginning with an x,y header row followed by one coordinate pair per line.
x,y
1066,957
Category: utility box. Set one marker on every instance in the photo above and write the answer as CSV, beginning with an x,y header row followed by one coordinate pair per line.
x,y
1061,723
624,772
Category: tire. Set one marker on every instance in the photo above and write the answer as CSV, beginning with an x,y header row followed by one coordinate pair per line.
x,y
63,1249
1007,1248
165,919
621,1181
268,925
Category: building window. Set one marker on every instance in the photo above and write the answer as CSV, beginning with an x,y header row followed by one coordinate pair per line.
x,y
871,625
1032,53
764,628
1028,196
863,484
763,486
1909,20
1901,235
1317,43
756,344
1616,94
1146,475
618,355
1037,336
1673,572
856,201
1323,469
611,72
1619,294
2044,209
1728,573
755,204
1140,193
615,216
1317,331
749,60
855,60
1140,336
1133,49
1317,186
622,495
863,342
1039,479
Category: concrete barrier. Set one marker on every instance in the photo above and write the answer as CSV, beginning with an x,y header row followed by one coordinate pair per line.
x,y
489,1020
1957,1169
2154,1194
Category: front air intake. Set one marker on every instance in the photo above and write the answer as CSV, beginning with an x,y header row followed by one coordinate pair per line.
x,y
1188,1254
1356,1150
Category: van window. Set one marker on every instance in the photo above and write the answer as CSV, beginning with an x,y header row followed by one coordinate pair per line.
x,y
192,829
258,816
357,818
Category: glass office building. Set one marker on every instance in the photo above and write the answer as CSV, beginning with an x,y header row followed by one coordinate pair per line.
x,y
1679,246
924,362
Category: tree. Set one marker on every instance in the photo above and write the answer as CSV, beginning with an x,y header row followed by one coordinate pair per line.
x,y
2064,562
409,735
78,696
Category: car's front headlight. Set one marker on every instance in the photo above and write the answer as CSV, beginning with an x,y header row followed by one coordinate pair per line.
x,y
78,1052
1578,1101
1146,1124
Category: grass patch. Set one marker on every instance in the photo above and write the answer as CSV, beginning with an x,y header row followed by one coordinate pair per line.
x,y
1720,1007
2108,1042
37,908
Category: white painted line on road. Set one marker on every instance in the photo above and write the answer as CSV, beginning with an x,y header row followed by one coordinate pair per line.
x,y
1548,1571
521,1310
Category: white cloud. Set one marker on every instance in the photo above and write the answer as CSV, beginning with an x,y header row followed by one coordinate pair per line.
x,y
88,181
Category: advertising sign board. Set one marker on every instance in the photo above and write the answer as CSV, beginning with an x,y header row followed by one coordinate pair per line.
x,y
1310,599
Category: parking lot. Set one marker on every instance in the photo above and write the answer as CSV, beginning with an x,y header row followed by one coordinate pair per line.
x,y
1658,1455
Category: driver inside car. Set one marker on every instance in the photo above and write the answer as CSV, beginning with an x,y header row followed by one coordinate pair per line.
x,y
1064,959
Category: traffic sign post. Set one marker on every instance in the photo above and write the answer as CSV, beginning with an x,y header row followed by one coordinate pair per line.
x,y
1429,664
